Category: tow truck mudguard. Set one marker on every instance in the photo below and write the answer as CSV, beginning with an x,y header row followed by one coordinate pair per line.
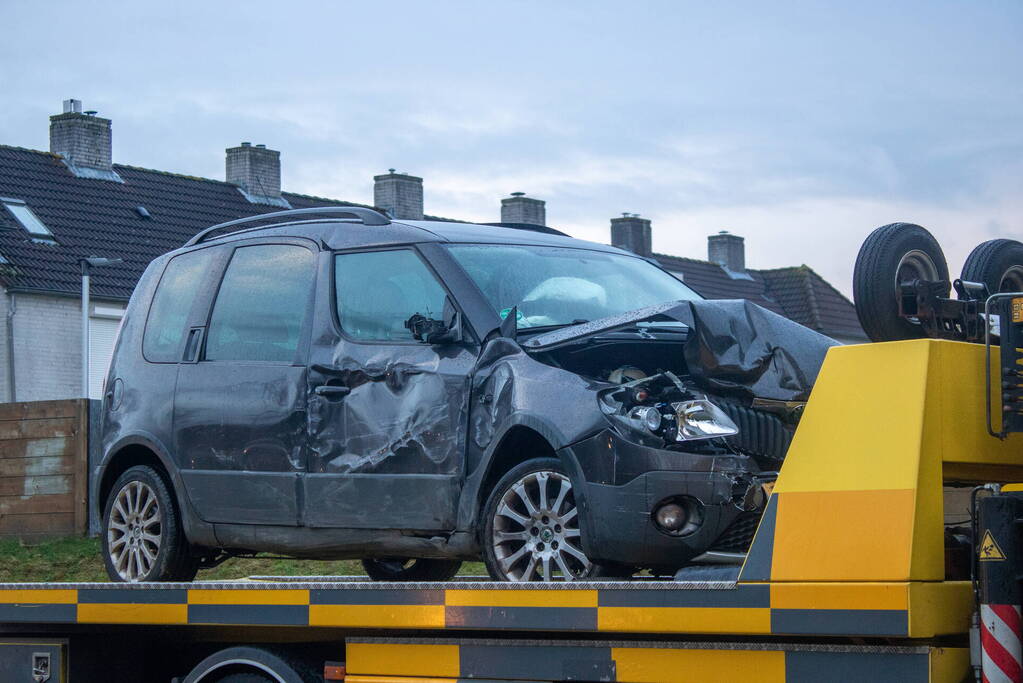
x,y
609,480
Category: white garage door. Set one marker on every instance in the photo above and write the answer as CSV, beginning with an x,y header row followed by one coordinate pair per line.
x,y
102,335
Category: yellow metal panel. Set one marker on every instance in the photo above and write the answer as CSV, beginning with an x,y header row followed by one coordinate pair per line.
x,y
939,608
520,598
684,619
842,595
377,616
950,665
132,614
289,596
394,679
393,659
39,596
863,424
641,665
959,381
843,535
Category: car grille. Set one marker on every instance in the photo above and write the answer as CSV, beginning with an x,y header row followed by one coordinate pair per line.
x,y
760,433
739,535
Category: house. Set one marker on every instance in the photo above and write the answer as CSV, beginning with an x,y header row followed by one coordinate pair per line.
x,y
73,203
797,292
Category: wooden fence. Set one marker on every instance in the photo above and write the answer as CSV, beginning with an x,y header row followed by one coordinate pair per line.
x,y
43,468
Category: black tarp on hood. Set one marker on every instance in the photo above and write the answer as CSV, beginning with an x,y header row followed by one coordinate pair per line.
x,y
733,346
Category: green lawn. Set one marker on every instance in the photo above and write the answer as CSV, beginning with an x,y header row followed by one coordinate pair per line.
x,y
78,559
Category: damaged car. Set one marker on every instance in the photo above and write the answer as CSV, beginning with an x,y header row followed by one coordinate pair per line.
x,y
331,383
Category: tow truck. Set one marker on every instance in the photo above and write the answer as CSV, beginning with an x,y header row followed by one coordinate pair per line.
x,y
854,574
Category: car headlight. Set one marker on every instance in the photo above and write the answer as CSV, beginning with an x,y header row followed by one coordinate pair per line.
x,y
701,419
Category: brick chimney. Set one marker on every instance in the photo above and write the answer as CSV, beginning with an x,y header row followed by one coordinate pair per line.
x,y
83,139
727,250
522,209
632,233
257,173
400,194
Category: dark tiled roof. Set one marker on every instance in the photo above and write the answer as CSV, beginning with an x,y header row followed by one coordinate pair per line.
x,y
798,293
98,218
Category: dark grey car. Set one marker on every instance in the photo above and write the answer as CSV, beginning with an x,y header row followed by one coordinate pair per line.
x,y
333,384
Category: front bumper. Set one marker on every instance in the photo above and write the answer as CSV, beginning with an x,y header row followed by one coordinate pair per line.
x,y
618,484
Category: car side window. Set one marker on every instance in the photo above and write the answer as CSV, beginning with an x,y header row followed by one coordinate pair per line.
x,y
377,291
262,303
168,313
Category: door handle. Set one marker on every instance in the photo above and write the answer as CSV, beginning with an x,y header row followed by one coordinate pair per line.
x,y
332,391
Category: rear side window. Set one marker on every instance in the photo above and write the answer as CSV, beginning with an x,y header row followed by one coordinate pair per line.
x,y
377,291
262,304
168,314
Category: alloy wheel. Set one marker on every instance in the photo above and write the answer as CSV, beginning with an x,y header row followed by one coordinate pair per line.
x,y
134,531
536,530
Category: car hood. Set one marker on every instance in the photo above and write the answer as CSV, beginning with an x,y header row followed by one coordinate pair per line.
x,y
733,346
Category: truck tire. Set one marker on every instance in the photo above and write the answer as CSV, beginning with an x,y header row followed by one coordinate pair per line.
x,y
531,526
996,263
142,535
247,664
892,255
405,569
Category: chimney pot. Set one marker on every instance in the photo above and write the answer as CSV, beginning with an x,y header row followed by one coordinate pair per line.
x,y
399,194
518,208
632,233
72,106
727,250
257,171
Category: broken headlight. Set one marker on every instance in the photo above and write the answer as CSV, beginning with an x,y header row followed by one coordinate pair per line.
x,y
652,405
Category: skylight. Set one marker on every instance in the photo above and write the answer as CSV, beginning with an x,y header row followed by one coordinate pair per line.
x,y
28,220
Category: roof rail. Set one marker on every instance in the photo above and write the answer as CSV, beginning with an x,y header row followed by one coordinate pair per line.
x,y
533,227
362,214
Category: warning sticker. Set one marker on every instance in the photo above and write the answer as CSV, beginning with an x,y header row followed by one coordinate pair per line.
x,y
1017,310
989,550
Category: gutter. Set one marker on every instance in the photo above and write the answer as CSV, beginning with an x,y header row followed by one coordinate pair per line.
x,y
12,308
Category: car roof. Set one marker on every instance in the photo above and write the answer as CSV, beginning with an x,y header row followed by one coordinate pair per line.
x,y
348,234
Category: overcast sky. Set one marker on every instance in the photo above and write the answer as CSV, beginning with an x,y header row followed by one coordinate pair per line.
x,y
800,126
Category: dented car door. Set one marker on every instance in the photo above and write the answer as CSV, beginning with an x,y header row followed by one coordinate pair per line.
x,y
387,412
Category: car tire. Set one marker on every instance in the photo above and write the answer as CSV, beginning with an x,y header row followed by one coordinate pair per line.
x,y
996,263
142,535
538,540
404,569
891,255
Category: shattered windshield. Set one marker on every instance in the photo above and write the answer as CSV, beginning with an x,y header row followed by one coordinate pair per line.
x,y
558,286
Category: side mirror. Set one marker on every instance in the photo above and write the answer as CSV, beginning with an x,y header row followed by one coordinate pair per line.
x,y
435,331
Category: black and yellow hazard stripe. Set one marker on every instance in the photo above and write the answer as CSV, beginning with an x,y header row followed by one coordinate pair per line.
x,y
420,661
837,609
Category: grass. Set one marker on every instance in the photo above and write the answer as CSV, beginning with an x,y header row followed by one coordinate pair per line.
x,y
78,559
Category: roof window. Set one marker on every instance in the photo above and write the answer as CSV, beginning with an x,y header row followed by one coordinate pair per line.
x,y
28,220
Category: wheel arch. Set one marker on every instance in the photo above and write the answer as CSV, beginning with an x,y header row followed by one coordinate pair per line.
x,y
525,437
139,450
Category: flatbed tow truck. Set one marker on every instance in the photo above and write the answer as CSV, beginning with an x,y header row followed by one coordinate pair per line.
x,y
851,576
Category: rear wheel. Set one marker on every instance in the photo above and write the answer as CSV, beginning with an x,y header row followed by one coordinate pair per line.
x,y
143,539
408,569
532,526
998,264
891,256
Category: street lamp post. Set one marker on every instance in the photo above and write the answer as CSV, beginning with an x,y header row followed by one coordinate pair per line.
x,y
86,264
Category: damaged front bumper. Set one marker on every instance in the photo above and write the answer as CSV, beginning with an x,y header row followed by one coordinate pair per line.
x,y
619,486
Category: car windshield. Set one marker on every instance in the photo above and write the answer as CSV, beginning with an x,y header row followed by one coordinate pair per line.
x,y
557,286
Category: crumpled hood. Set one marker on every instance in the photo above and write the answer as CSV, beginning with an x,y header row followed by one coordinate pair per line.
x,y
733,346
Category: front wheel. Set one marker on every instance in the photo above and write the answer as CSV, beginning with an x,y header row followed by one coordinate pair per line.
x,y
406,569
532,526
142,535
